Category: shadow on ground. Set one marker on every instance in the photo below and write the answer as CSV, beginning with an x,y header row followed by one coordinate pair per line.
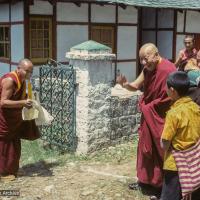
x,y
40,168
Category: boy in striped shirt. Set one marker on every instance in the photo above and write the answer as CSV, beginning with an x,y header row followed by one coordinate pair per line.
x,y
181,131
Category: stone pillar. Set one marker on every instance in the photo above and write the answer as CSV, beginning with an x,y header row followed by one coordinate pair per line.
x,y
94,75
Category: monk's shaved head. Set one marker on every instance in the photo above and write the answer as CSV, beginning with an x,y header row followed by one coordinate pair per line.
x,y
148,48
189,37
24,62
25,68
149,56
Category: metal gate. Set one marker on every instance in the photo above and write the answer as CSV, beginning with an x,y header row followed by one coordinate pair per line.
x,y
57,95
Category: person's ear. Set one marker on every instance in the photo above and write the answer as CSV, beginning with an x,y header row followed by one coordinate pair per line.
x,y
172,89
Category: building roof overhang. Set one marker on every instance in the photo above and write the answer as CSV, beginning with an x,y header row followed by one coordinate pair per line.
x,y
175,4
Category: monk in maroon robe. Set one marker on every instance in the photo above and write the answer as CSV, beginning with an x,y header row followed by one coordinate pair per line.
x,y
12,128
187,53
153,104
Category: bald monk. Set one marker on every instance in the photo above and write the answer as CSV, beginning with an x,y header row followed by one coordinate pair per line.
x,y
12,128
153,105
187,53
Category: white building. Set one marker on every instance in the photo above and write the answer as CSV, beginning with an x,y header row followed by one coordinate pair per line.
x,y
39,29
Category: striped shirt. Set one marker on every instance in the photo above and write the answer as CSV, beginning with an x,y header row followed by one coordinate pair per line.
x,y
182,128
188,164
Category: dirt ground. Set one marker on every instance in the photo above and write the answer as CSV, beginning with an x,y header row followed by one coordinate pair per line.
x,y
48,180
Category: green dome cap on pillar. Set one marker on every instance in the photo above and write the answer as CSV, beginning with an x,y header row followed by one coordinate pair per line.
x,y
91,45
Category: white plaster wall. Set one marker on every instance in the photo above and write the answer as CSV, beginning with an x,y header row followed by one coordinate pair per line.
x,y
82,78
17,42
5,68
180,21
4,13
113,70
128,15
179,43
128,69
165,43
100,72
69,36
192,22
127,42
165,18
17,12
148,36
104,13
69,12
41,7
13,67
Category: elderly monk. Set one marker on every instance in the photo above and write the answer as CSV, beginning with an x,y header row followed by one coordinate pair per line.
x,y
153,104
12,128
187,53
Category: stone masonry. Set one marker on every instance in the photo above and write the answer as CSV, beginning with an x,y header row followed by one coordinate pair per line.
x,y
101,120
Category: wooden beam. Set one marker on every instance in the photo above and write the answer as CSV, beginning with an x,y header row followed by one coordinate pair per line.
x,y
123,6
77,4
101,3
13,1
52,2
181,11
30,2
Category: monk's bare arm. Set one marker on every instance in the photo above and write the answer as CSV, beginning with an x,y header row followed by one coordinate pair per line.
x,y
179,59
135,85
7,92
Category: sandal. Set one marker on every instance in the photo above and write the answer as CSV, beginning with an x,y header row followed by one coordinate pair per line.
x,y
7,178
134,186
153,197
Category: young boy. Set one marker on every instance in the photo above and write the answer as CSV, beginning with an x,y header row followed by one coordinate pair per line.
x,y
181,131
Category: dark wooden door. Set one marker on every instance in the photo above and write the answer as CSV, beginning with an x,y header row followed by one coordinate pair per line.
x,y
197,41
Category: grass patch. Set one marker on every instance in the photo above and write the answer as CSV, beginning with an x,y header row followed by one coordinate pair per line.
x,y
33,151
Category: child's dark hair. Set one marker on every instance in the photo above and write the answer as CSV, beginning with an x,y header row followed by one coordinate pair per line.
x,y
179,81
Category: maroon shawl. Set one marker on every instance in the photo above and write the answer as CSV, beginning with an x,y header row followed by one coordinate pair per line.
x,y
11,123
13,128
153,104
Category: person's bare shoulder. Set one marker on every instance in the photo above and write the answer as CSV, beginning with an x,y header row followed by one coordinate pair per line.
x,y
8,84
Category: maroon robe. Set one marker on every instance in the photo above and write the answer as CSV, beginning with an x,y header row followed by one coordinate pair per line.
x,y
13,129
186,57
153,104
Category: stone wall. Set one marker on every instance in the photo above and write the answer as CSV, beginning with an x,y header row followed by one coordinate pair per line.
x,y
125,118
116,121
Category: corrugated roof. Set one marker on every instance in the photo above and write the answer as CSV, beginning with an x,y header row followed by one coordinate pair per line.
x,y
178,4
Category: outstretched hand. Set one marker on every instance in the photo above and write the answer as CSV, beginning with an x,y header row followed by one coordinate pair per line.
x,y
121,79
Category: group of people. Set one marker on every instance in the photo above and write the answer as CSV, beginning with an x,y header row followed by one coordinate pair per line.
x,y
170,119
169,122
